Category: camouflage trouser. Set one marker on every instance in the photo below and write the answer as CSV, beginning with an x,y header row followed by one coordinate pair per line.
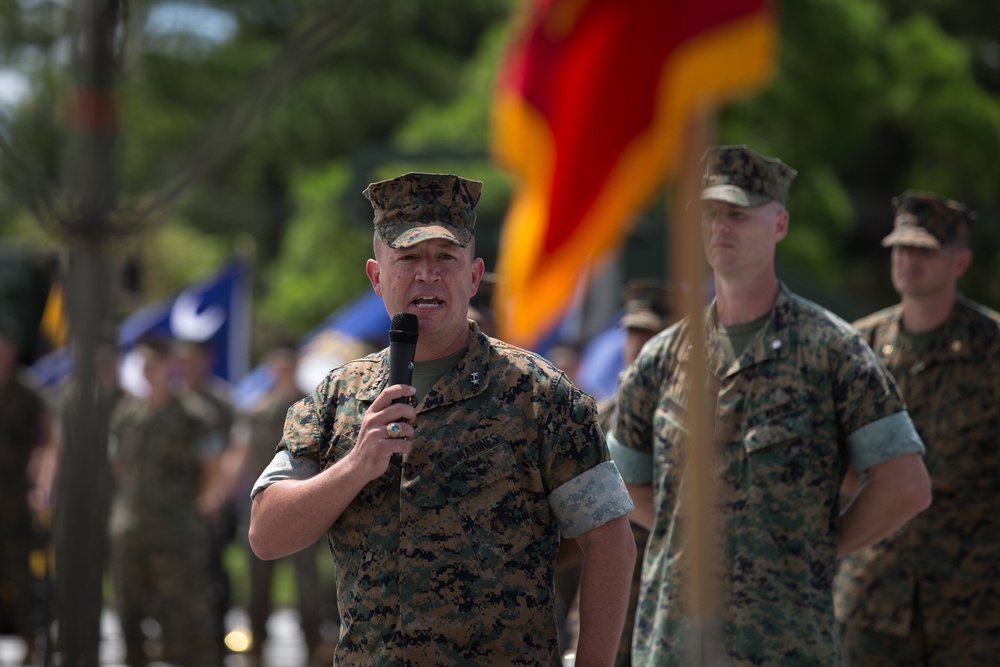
x,y
307,587
170,585
964,645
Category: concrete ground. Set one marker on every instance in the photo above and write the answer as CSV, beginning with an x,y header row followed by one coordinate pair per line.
x,y
285,646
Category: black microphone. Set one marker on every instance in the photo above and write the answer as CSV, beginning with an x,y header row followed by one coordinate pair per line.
x,y
402,347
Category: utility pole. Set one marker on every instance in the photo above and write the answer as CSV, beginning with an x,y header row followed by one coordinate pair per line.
x,y
84,485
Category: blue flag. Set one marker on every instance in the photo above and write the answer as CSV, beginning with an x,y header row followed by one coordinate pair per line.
x,y
215,310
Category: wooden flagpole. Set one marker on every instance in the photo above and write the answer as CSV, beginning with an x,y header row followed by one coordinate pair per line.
x,y
689,272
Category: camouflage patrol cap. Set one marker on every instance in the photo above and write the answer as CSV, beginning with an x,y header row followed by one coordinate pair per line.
x,y
647,305
416,207
741,176
927,220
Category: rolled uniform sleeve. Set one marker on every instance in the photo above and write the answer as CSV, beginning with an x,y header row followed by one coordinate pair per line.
x,y
631,439
297,455
284,466
635,467
586,488
871,409
591,499
883,439
210,445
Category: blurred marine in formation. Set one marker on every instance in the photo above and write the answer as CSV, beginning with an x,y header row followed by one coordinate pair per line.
x,y
163,447
798,397
196,361
647,313
445,511
258,432
930,594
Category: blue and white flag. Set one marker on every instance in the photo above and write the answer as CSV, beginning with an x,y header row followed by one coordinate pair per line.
x,y
215,310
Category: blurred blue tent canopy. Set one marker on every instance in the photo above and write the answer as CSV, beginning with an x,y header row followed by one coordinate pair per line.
x,y
601,362
216,310
364,319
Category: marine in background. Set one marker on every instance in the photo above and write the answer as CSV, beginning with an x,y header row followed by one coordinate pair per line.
x,y
928,595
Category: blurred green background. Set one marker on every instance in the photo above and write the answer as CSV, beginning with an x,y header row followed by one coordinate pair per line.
x,y
281,111
283,592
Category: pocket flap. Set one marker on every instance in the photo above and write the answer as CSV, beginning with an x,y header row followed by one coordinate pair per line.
x,y
780,428
477,466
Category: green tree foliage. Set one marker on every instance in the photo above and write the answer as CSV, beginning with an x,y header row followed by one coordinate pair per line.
x,y
322,263
866,102
181,92
870,97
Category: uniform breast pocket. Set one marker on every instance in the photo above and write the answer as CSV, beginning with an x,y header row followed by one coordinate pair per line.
x,y
491,501
970,416
369,516
780,438
780,467
670,424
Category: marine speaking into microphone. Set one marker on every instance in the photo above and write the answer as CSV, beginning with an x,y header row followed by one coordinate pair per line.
x,y
444,528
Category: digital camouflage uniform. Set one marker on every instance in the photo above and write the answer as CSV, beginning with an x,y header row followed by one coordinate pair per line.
x,y
159,540
215,397
447,559
946,560
805,399
935,584
22,414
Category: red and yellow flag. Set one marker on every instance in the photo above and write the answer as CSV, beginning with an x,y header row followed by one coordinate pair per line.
x,y
589,108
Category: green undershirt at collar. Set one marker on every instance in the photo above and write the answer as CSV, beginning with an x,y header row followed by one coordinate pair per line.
x,y
733,339
427,373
